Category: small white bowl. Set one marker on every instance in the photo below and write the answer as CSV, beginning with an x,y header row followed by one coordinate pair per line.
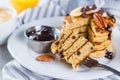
x,y
7,27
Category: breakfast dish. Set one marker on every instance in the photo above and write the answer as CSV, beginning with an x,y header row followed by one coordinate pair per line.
x,y
87,31
57,68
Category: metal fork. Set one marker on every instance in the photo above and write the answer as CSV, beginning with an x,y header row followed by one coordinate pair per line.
x,y
89,62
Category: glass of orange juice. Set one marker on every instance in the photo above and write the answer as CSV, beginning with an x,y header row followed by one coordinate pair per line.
x,y
21,5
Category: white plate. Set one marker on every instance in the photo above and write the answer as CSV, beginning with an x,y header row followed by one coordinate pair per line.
x,y
19,50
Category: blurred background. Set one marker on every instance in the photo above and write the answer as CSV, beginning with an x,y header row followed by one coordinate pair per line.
x,y
67,5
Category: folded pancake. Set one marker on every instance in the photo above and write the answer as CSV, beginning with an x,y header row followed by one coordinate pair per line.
x,y
93,38
81,29
67,37
74,22
100,51
75,47
57,44
98,54
103,45
80,55
73,37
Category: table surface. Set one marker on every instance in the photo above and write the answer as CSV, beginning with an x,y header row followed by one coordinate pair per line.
x,y
4,57
4,54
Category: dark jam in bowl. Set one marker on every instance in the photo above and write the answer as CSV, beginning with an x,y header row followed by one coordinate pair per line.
x,y
41,33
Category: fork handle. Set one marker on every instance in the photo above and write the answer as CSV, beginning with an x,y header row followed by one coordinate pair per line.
x,y
110,69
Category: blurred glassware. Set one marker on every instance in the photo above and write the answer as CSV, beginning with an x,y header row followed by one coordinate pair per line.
x,y
21,5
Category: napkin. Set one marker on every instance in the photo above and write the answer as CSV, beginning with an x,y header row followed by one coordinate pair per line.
x,y
14,71
51,8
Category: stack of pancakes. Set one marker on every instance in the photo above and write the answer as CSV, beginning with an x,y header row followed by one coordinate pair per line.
x,y
100,35
83,35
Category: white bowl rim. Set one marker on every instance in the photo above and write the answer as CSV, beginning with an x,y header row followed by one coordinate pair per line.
x,y
11,10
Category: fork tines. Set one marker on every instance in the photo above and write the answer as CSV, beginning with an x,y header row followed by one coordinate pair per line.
x,y
89,62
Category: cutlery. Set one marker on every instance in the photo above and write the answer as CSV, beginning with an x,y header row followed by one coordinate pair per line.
x,y
89,62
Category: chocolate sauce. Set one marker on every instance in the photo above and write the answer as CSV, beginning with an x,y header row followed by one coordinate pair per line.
x,y
109,55
45,34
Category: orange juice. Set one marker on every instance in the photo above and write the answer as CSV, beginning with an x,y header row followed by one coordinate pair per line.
x,y
21,5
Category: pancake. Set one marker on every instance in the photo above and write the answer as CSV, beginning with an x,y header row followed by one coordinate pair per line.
x,y
73,37
81,29
57,44
84,35
77,45
93,38
80,55
74,22
96,30
97,54
103,45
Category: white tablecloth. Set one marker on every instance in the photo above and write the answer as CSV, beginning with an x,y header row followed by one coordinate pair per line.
x,y
4,57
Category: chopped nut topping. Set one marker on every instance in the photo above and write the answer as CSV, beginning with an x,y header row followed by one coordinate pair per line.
x,y
111,17
46,58
99,20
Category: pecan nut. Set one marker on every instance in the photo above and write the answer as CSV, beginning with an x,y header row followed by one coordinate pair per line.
x,y
46,58
99,20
